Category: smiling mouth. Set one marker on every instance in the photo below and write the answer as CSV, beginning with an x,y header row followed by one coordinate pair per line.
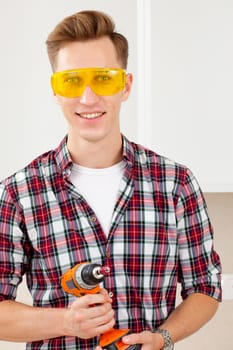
x,y
90,115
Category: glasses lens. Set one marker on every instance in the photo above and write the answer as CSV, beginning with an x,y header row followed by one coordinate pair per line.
x,y
103,81
67,83
108,81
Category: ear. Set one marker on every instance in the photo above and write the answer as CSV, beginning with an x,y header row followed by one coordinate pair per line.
x,y
56,99
128,86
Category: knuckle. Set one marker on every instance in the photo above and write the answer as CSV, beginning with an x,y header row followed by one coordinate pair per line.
x,y
78,317
109,316
112,323
88,298
107,307
112,313
104,308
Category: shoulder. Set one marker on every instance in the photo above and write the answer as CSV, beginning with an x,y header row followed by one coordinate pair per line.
x,y
28,178
167,176
159,166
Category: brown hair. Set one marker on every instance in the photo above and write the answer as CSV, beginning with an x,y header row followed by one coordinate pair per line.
x,y
83,26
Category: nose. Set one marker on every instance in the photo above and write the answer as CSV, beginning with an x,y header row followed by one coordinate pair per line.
x,y
89,97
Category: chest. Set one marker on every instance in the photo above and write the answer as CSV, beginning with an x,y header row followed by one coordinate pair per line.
x,y
64,230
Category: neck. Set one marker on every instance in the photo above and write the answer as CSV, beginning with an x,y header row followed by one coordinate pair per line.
x,y
99,154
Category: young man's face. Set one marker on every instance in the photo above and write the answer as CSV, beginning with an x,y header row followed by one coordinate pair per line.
x,y
92,117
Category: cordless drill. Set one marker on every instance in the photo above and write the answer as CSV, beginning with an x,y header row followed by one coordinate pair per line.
x,y
84,278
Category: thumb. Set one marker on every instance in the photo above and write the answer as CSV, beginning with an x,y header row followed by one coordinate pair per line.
x,y
134,338
145,337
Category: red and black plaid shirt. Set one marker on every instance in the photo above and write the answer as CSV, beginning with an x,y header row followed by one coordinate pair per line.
x,y
160,235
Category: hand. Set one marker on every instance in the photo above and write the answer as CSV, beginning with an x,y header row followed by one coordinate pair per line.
x,y
89,316
149,340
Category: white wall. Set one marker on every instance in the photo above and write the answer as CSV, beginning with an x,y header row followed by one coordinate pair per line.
x,y
192,87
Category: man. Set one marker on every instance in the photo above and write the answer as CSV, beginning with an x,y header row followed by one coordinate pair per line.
x,y
99,197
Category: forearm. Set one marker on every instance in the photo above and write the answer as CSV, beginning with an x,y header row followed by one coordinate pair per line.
x,y
186,319
24,323
190,316
87,317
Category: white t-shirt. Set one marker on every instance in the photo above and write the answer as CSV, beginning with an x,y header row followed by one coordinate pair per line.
x,y
99,187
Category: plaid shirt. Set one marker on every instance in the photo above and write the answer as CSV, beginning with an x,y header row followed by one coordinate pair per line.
x,y
160,235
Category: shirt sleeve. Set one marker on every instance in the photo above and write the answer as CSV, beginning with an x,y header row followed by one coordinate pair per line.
x,y
13,247
199,264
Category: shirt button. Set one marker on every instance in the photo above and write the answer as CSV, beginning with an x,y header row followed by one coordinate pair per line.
x,y
107,254
110,294
93,219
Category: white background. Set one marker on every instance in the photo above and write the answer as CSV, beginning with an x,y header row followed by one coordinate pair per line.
x,y
192,80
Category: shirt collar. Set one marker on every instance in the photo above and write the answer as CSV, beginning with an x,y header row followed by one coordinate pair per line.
x,y
64,161
63,158
128,150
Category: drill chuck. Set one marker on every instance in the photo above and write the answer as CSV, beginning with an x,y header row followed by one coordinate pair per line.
x,y
89,275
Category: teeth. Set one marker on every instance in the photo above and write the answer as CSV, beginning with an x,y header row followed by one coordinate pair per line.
x,y
90,115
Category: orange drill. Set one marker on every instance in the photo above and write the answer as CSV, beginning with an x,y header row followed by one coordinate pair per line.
x,y
84,278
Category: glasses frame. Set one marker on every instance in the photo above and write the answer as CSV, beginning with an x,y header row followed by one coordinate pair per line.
x,y
103,81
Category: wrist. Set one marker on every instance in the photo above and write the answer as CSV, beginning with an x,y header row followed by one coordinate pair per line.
x,y
166,338
158,340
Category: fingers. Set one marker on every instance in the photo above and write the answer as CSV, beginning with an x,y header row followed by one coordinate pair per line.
x,y
138,338
144,338
134,338
100,314
90,315
104,292
149,340
93,299
92,308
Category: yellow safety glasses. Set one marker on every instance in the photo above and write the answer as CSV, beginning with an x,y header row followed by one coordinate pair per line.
x,y
103,81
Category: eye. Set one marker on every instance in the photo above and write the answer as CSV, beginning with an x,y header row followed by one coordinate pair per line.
x,y
73,80
102,78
